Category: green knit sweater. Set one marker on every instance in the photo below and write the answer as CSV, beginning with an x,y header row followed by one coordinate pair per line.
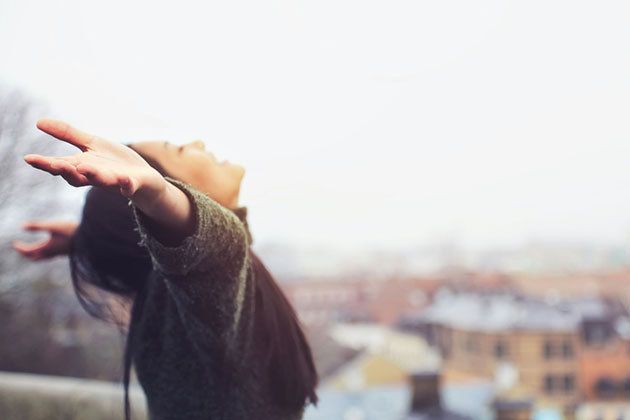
x,y
197,323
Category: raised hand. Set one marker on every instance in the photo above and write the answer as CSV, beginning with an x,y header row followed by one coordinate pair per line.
x,y
100,163
110,165
58,242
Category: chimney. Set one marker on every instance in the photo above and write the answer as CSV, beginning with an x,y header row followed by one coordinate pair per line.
x,y
426,391
513,408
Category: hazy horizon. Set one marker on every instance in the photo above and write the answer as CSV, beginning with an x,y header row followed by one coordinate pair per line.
x,y
361,123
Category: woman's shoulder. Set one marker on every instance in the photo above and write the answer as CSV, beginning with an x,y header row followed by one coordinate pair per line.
x,y
219,237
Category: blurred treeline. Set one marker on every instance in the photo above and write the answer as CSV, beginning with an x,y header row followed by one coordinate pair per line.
x,y
42,327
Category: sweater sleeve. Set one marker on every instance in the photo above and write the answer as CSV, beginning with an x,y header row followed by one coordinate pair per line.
x,y
208,273
218,238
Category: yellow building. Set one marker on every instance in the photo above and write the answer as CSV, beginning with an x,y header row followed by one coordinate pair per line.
x,y
387,356
513,341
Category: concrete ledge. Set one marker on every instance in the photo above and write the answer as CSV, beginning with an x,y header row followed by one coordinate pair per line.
x,y
39,397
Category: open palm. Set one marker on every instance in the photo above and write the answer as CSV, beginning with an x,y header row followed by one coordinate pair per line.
x,y
100,163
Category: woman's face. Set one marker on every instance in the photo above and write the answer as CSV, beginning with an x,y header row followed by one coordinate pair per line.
x,y
192,164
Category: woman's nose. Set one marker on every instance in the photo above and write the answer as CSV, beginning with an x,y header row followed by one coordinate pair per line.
x,y
198,144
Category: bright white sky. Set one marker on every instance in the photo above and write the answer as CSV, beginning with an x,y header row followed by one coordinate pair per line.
x,y
388,123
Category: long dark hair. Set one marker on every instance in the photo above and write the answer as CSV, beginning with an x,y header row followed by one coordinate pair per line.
x,y
110,272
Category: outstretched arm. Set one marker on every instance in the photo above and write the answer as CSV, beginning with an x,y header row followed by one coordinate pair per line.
x,y
110,165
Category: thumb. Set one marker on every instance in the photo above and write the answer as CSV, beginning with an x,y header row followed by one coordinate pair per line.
x,y
55,226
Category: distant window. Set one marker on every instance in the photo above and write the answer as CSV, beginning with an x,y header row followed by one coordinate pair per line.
x,y
549,384
605,388
597,334
567,350
569,383
500,350
548,349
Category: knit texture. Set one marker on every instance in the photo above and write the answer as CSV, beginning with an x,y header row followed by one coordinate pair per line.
x,y
195,356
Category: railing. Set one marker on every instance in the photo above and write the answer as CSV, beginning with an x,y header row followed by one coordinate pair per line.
x,y
39,397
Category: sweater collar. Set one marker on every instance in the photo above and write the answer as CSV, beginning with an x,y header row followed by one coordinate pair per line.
x,y
241,213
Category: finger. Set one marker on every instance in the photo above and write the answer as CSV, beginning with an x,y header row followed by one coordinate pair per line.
x,y
76,180
128,186
73,160
37,226
65,132
96,176
50,164
46,226
42,163
33,251
26,247
70,173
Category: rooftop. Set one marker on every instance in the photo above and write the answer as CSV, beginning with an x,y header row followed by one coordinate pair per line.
x,y
500,312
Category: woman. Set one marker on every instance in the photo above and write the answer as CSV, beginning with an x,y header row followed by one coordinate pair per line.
x,y
211,335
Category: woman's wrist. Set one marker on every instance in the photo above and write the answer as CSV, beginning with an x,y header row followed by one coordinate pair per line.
x,y
169,210
151,194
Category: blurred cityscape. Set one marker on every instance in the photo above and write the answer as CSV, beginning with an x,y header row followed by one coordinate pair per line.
x,y
472,344
456,343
